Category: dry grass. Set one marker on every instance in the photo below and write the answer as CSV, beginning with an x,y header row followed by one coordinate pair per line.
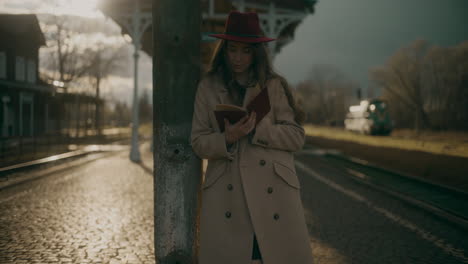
x,y
447,143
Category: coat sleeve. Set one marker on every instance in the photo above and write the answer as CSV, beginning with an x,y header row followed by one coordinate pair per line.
x,y
206,142
282,133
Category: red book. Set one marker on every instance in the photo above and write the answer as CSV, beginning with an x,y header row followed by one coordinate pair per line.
x,y
260,104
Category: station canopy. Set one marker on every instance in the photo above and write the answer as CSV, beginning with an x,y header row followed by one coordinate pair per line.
x,y
289,15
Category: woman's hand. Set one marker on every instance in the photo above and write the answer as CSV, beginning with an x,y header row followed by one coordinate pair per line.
x,y
241,128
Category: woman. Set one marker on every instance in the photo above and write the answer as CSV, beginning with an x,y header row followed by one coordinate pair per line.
x,y
251,206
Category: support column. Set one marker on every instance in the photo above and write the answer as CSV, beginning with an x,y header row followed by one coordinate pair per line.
x,y
29,99
5,101
135,151
20,115
31,121
137,25
177,170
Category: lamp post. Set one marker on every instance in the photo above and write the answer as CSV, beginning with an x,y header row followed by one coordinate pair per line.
x,y
135,151
136,24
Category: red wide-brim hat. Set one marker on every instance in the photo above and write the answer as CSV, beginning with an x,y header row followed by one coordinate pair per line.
x,y
243,27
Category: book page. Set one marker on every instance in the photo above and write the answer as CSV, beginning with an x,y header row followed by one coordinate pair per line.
x,y
226,107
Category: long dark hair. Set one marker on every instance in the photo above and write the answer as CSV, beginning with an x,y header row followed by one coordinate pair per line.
x,y
262,71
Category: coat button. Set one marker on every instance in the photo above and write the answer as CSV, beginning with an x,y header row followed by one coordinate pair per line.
x,y
228,214
262,162
229,187
276,216
270,190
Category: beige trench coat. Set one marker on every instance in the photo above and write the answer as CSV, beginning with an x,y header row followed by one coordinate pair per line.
x,y
252,187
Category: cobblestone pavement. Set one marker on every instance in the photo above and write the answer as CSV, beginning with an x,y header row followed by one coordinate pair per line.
x,y
352,223
101,212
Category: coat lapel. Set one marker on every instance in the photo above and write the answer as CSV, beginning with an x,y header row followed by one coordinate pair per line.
x,y
224,98
250,94
223,95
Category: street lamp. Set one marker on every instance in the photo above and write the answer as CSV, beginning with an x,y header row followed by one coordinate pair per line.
x,y
136,24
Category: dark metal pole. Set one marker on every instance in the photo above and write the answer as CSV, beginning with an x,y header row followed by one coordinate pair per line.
x,y
177,171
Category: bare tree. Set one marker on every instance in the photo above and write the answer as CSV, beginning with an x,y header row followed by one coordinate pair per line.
x,y
145,107
401,77
446,77
77,62
62,60
426,86
102,60
326,94
65,61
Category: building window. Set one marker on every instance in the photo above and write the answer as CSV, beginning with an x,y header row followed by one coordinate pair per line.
x,y
31,71
3,65
19,69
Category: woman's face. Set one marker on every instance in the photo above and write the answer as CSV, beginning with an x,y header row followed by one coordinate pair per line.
x,y
240,56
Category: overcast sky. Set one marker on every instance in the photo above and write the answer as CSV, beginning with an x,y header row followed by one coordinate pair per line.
x,y
352,35
356,35
114,88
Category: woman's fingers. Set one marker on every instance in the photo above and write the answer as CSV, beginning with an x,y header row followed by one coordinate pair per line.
x,y
243,127
252,119
249,124
253,116
242,120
